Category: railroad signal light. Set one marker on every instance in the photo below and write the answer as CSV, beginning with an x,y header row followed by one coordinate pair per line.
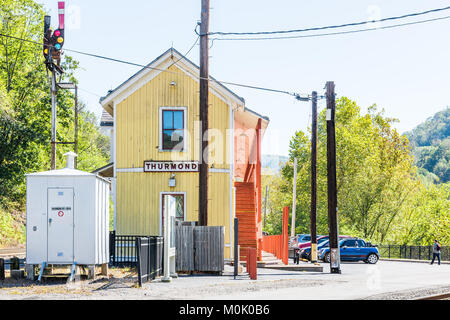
x,y
54,40
57,42
58,39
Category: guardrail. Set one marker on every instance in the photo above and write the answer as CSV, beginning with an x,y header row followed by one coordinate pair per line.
x,y
412,252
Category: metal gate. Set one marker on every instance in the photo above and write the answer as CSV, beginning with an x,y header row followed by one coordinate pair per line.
x,y
149,252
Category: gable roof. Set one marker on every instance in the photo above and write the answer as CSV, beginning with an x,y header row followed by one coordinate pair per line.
x,y
181,61
161,64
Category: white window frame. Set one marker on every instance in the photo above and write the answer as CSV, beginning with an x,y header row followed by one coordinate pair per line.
x,y
185,130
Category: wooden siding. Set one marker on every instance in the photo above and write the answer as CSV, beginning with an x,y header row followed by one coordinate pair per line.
x,y
137,127
138,201
247,215
137,122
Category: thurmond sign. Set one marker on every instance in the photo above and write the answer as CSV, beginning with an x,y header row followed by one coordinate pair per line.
x,y
164,166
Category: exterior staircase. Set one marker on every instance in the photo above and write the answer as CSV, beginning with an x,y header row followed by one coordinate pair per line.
x,y
247,215
270,259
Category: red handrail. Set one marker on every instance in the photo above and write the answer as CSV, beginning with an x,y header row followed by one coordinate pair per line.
x,y
279,245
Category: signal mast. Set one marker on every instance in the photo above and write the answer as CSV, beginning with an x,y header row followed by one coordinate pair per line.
x,y
53,42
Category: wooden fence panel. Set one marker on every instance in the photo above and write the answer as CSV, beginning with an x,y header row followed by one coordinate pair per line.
x,y
200,248
185,248
209,248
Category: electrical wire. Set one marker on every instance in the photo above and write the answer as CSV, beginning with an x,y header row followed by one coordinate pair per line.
x,y
157,69
298,96
90,92
353,24
334,33
187,53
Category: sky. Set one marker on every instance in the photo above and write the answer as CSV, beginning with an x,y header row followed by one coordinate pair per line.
x,y
405,71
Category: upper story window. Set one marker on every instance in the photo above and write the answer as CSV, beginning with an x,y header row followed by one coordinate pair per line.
x,y
173,126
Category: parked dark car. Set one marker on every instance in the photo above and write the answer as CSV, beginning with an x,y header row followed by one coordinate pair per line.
x,y
305,253
353,249
322,242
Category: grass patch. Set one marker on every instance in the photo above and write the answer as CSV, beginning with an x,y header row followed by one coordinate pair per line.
x,y
12,227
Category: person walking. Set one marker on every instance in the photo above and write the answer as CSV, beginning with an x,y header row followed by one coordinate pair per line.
x,y
436,252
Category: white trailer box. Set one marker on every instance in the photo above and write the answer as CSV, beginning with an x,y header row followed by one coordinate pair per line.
x,y
67,217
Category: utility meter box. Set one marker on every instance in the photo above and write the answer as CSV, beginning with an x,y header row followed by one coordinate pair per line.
x,y
67,217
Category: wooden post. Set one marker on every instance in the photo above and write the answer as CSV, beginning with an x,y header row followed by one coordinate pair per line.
x,y
105,269
91,272
258,187
332,187
285,237
252,264
294,200
204,104
314,179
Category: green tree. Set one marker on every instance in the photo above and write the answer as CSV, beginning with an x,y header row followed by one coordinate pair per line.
x,y
375,175
25,111
425,217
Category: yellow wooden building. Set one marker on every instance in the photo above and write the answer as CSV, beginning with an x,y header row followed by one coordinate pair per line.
x,y
155,148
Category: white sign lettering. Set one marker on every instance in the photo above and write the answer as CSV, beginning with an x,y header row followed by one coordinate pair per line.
x,y
154,166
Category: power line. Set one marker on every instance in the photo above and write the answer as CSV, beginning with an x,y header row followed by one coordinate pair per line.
x,y
157,69
331,26
187,53
334,33
90,92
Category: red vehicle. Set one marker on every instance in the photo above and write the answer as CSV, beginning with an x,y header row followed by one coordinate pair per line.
x,y
299,246
308,244
319,241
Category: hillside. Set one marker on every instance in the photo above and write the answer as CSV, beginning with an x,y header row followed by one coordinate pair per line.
x,y
271,164
430,142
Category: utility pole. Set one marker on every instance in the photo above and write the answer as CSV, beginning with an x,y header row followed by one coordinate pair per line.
x,y
314,179
332,185
294,198
204,104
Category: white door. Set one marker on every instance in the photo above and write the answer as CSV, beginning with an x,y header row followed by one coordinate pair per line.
x,y
60,226
169,214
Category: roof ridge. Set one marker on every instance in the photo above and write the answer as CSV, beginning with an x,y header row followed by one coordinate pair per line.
x,y
148,66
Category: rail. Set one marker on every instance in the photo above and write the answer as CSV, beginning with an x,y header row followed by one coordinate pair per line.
x,y
444,296
412,252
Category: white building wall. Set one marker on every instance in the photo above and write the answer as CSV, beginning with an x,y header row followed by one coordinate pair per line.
x,y
91,217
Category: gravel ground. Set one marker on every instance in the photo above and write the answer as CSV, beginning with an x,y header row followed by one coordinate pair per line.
x,y
411,294
121,284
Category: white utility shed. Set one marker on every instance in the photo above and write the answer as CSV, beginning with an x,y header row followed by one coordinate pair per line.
x,y
67,217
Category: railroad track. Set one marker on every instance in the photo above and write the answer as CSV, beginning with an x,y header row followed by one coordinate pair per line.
x,y
444,296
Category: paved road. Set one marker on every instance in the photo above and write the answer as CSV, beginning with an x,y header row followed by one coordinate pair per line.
x,y
357,281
